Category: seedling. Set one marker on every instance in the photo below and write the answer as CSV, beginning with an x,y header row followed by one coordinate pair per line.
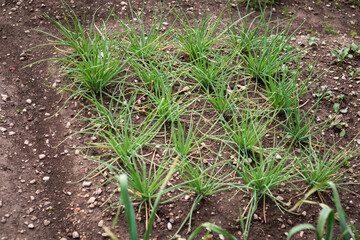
x,y
312,41
329,29
353,33
341,54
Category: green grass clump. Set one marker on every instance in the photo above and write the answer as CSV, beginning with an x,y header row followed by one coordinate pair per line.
x,y
142,43
88,53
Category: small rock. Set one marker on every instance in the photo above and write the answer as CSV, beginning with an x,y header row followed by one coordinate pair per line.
x,y
303,213
344,111
101,223
28,101
46,222
75,234
1,204
221,237
4,97
86,184
31,226
169,226
11,133
2,129
42,156
358,113
280,198
46,178
63,238
91,200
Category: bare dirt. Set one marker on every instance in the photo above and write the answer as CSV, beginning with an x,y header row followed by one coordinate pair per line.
x,y
38,197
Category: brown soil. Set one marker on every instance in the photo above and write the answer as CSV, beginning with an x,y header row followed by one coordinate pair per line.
x,y
34,206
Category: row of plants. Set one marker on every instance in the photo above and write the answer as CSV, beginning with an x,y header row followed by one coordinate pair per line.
x,y
217,100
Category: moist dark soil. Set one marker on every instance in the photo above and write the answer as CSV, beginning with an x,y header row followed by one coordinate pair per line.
x,y
40,196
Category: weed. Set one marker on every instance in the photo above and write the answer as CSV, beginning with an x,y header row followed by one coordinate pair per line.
x,y
353,33
312,41
329,29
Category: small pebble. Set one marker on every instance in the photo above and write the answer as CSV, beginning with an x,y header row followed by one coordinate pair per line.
x,y
344,111
11,133
86,184
28,101
101,223
46,178
280,198
169,226
91,200
75,234
46,222
31,226
42,156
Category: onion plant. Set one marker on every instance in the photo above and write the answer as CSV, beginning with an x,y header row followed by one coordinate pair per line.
x,y
327,219
142,43
203,179
223,98
246,129
197,38
265,175
266,56
212,70
300,124
88,53
283,90
320,165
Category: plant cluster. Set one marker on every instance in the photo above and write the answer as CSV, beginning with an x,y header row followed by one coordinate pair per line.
x,y
180,101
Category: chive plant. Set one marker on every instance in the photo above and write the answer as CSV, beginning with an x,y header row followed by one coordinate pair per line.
x,y
283,90
265,57
300,124
326,220
246,129
141,43
321,165
197,38
265,175
88,54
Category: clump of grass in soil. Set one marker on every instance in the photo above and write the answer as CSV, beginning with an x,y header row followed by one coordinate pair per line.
x,y
141,96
